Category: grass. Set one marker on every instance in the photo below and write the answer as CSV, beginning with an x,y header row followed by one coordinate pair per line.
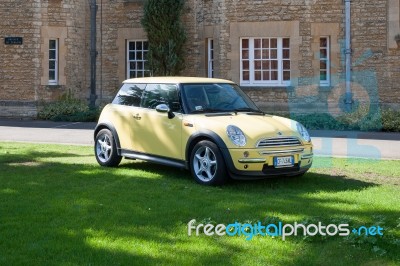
x,y
58,207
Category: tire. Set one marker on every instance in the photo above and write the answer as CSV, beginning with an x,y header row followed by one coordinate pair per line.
x,y
207,164
105,149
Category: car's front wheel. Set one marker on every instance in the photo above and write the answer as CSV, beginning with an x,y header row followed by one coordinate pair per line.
x,y
105,149
207,164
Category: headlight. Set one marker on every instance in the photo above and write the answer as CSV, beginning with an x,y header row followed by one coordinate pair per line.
x,y
236,135
303,132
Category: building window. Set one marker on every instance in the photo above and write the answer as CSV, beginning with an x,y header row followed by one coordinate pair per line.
x,y
265,61
324,61
137,59
53,62
210,58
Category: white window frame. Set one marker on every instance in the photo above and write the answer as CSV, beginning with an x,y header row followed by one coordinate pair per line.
x,y
252,82
55,80
210,58
128,61
326,82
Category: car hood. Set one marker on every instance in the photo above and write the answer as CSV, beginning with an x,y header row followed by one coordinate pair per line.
x,y
255,127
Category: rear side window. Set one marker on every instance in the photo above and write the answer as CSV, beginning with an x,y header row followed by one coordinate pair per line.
x,y
156,94
129,94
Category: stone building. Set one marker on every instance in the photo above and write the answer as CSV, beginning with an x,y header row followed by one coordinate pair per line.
x,y
288,55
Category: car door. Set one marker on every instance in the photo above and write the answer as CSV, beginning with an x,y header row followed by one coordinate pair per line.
x,y
126,105
157,133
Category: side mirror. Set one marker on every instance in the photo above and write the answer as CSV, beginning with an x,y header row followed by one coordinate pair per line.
x,y
163,108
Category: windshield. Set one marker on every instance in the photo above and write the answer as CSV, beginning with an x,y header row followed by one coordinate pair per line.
x,y
221,97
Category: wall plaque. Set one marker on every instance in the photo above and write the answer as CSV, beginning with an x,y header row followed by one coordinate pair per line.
x,y
13,40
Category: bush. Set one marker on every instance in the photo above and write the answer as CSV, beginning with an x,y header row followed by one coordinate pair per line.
x,y
363,119
391,120
68,109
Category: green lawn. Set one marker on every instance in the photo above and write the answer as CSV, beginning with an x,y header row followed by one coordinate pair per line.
x,y
58,207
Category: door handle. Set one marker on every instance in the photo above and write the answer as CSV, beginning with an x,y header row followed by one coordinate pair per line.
x,y
137,117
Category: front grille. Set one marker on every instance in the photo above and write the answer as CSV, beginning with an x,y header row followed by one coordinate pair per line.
x,y
278,142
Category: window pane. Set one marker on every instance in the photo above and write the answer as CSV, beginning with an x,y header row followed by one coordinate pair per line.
x,y
140,65
323,53
52,75
286,64
274,54
246,65
52,44
245,43
274,75
52,65
132,65
139,46
323,76
257,43
286,43
257,75
246,75
266,64
286,75
52,54
257,64
245,54
286,54
132,46
266,75
274,43
274,64
265,43
131,55
257,54
139,55
322,65
265,54
145,46
323,42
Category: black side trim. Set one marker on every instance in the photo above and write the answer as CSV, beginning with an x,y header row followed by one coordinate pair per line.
x,y
113,131
153,158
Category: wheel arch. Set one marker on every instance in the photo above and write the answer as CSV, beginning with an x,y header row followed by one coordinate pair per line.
x,y
109,126
205,135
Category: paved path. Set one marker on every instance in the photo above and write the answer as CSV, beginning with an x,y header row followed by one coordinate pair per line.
x,y
375,145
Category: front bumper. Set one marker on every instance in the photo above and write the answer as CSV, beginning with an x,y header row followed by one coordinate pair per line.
x,y
259,163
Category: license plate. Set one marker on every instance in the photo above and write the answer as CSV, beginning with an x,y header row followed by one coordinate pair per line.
x,y
286,161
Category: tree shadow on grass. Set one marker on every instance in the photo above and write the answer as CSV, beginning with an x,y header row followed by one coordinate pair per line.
x,y
138,213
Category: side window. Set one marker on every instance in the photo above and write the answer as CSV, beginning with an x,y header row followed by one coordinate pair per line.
x,y
156,94
129,94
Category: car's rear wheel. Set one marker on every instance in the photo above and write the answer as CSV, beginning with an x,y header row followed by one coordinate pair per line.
x,y
105,149
207,164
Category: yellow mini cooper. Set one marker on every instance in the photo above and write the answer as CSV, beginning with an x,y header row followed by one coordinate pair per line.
x,y
209,126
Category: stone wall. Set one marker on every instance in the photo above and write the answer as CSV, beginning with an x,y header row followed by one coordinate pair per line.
x,y
376,64
18,77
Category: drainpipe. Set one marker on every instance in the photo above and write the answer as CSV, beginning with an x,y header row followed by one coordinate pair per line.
x,y
93,54
348,100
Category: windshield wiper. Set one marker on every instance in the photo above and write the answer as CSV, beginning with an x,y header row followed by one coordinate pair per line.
x,y
208,110
248,109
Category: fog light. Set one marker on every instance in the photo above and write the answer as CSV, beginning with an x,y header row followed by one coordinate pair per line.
x,y
246,154
245,166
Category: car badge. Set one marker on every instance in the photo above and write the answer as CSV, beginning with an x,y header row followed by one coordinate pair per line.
x,y
279,133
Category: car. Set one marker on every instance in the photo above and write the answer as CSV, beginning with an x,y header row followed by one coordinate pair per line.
x,y
206,125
